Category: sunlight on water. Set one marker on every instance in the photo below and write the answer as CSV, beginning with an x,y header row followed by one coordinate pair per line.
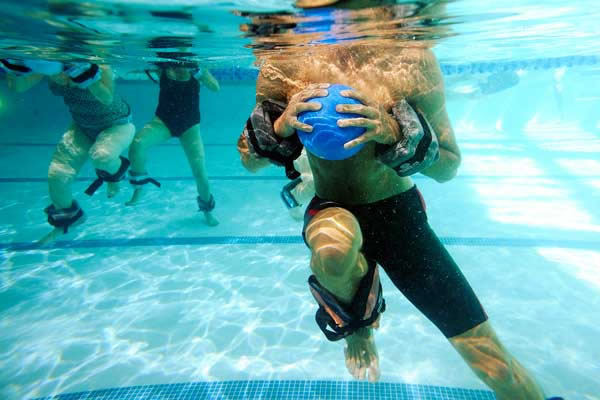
x,y
581,264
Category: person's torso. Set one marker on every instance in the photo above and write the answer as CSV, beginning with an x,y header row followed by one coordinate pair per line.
x,y
178,97
86,110
384,75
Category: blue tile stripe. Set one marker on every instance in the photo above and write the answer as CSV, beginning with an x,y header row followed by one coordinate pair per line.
x,y
282,239
280,390
250,74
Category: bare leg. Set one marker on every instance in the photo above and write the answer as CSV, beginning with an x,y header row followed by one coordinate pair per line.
x,y
194,151
491,362
107,148
154,133
335,240
67,160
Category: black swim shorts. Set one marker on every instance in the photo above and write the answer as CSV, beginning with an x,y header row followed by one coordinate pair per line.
x,y
398,237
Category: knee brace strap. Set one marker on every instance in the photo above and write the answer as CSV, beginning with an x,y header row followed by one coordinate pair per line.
x,y
206,206
343,320
64,217
104,176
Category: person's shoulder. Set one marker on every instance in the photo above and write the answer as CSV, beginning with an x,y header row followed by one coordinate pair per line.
x,y
419,55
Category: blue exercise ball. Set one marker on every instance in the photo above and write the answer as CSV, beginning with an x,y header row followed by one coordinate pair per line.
x,y
327,139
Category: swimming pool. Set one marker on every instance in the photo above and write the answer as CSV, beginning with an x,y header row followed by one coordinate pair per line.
x,y
153,303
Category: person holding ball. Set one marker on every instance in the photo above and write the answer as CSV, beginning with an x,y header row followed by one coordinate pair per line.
x,y
367,211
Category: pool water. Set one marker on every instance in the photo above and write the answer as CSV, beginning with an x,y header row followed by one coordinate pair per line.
x,y
151,302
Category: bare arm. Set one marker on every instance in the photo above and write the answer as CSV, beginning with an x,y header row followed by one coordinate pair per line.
x,y
104,89
22,84
431,103
208,80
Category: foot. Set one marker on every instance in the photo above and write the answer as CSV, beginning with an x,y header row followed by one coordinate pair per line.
x,y
58,232
135,198
362,359
210,219
112,188
50,237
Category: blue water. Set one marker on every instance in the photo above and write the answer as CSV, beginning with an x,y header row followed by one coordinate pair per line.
x,y
150,295
152,303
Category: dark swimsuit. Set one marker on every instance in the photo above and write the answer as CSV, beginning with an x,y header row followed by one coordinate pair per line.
x,y
398,237
178,104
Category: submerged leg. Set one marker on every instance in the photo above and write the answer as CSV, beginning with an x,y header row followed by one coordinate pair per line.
x,y
67,160
152,134
106,151
491,362
194,151
335,240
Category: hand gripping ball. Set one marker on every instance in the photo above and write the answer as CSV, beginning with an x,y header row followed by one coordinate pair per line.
x,y
327,139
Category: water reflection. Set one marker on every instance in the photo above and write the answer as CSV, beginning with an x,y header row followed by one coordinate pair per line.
x,y
348,22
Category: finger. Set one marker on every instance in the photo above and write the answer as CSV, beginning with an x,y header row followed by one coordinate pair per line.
x,y
351,364
364,360
358,122
374,372
309,94
294,123
361,109
362,373
347,358
311,106
357,142
355,94
318,86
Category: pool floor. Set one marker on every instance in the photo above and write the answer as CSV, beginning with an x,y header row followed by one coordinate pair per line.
x,y
140,299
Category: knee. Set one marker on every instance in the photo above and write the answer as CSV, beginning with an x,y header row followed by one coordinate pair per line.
x,y
138,145
334,261
335,242
101,155
60,172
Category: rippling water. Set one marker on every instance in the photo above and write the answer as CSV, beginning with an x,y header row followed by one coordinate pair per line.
x,y
226,33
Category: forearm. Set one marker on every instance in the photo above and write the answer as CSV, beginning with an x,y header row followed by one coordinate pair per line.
x,y
209,80
22,84
103,93
445,168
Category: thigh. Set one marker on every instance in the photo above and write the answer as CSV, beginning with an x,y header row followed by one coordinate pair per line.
x,y
114,140
70,153
335,239
423,270
192,144
153,133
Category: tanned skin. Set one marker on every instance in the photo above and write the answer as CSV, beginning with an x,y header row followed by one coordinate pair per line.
x,y
381,76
